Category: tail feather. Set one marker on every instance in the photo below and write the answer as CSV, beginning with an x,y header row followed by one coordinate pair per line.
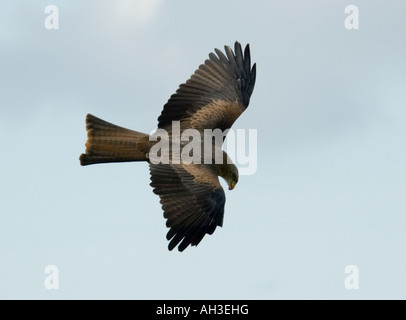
x,y
107,142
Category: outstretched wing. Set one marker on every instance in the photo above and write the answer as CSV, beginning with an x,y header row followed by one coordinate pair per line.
x,y
215,95
192,200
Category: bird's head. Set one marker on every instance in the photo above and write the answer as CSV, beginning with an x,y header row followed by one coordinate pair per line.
x,y
229,172
233,179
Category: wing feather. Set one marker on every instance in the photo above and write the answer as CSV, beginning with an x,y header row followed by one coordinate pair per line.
x,y
192,200
226,78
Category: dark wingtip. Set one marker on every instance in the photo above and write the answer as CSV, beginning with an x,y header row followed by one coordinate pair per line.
x,y
253,75
83,159
237,46
183,245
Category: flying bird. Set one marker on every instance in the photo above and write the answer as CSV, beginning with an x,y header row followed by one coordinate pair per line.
x,y
191,195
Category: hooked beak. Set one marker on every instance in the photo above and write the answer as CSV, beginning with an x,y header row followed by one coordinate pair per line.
x,y
231,185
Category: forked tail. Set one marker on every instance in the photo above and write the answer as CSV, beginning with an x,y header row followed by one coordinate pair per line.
x,y
107,142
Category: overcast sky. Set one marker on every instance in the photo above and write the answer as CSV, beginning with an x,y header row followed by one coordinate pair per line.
x,y
329,108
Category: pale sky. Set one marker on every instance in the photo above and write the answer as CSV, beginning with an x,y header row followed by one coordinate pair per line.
x,y
328,108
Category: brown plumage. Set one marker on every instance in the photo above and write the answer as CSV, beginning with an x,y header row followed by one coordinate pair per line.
x,y
191,195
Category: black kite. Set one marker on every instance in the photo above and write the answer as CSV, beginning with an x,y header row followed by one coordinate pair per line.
x,y
191,195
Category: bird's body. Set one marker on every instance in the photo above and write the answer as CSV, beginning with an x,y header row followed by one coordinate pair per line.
x,y
191,195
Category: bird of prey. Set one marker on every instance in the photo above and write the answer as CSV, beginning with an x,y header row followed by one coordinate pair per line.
x,y
191,195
